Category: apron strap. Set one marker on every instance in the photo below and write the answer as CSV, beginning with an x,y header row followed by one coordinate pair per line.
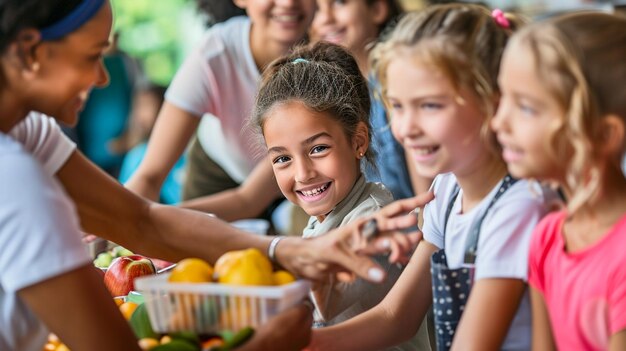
x,y
455,194
471,245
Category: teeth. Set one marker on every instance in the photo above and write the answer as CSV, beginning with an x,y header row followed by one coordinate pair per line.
x,y
286,18
314,192
425,150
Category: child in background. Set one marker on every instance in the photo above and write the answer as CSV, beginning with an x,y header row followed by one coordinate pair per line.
x,y
220,79
438,71
134,142
562,119
312,109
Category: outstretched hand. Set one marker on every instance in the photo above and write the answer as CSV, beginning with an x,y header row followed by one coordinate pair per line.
x,y
341,251
393,221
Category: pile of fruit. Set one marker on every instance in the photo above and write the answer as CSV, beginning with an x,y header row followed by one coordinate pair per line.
x,y
242,267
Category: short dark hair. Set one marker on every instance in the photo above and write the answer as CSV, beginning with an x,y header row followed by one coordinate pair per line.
x,y
218,11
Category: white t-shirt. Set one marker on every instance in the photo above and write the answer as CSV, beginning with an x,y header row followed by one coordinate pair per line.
x,y
39,230
219,81
504,238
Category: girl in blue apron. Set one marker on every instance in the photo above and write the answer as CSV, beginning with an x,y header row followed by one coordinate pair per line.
x,y
438,71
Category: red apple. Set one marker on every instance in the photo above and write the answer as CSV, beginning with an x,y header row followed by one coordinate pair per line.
x,y
120,276
161,264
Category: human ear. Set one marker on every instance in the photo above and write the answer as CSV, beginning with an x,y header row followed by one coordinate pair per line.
x,y
380,11
360,139
612,134
25,47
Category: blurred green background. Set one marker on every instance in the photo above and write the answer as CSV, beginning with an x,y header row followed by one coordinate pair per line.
x,y
157,33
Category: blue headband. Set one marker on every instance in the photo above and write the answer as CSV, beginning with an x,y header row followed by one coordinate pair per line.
x,y
79,16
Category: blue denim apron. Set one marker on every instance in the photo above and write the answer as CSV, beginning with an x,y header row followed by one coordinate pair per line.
x,y
451,287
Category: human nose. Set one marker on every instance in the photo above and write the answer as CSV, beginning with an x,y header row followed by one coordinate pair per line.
x,y
405,125
499,122
287,3
102,79
323,14
304,171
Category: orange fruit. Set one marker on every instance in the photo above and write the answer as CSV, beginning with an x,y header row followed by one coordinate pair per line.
x,y
127,309
212,342
192,270
283,277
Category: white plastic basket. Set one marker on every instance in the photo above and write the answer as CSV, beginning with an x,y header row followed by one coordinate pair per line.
x,y
208,308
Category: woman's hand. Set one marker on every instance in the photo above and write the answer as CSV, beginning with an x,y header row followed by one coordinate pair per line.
x,y
341,251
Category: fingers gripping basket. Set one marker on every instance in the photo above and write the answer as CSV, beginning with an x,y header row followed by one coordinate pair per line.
x,y
211,307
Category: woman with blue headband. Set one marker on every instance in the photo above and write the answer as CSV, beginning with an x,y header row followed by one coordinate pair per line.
x,y
50,58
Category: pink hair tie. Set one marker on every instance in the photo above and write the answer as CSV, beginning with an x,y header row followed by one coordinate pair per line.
x,y
498,17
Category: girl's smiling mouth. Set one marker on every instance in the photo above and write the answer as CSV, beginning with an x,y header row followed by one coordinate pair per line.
x,y
313,194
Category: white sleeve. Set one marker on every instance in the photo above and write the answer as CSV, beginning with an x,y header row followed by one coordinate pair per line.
x,y
39,231
42,137
435,211
190,89
505,235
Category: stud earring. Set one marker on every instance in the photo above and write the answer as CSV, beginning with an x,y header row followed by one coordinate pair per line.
x,y
360,154
35,67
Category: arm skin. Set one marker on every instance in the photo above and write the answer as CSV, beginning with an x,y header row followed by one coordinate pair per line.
x,y
170,136
246,201
90,321
394,320
483,326
542,331
111,211
618,341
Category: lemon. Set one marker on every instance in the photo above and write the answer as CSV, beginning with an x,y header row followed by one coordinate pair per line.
x,y
226,262
283,277
246,267
191,270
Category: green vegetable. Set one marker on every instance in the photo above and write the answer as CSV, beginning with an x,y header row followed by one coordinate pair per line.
x,y
237,339
176,345
140,323
135,297
189,337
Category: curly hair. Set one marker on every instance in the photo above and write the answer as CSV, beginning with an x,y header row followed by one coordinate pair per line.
x,y
325,78
579,57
